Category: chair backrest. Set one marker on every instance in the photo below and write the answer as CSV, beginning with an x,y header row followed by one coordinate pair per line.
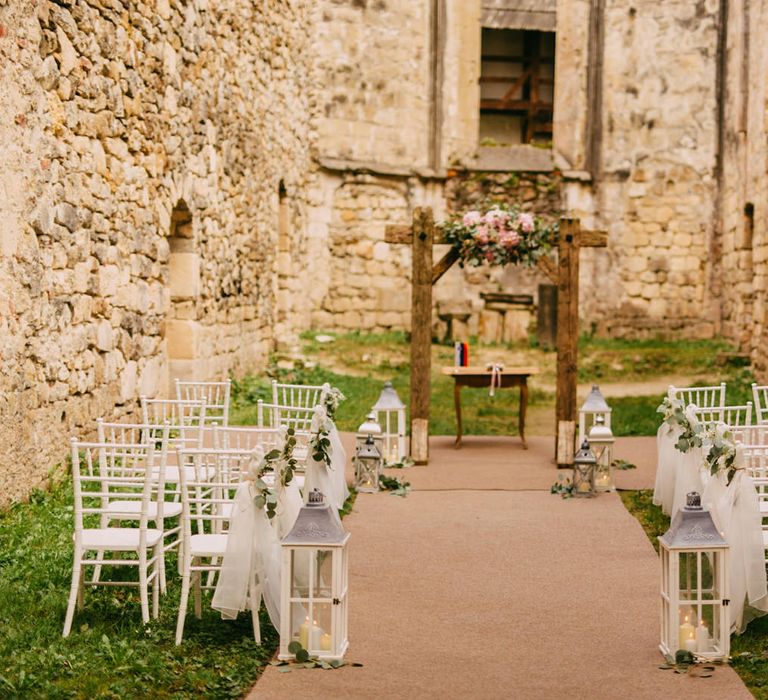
x,y
701,396
209,485
270,415
296,395
732,416
755,434
215,394
186,418
241,438
755,460
760,397
105,471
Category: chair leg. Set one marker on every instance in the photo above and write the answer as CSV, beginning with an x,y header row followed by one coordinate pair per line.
x,y
143,592
182,605
255,595
161,563
74,592
81,591
97,569
198,597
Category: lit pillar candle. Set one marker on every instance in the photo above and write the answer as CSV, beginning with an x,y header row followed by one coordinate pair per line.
x,y
304,634
315,635
325,642
690,643
687,631
702,637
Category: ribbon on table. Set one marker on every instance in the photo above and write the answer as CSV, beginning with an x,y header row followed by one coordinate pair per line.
x,y
496,369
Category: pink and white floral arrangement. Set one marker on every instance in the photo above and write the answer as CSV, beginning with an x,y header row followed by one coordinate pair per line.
x,y
503,235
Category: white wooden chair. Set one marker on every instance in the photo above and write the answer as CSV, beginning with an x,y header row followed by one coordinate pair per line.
x,y
209,500
296,395
760,397
701,396
756,466
732,416
215,394
103,475
241,437
755,434
164,514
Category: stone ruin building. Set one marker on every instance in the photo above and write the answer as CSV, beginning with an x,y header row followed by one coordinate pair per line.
x,y
186,183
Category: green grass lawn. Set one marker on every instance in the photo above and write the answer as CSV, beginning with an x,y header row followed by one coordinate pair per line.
x,y
749,651
110,653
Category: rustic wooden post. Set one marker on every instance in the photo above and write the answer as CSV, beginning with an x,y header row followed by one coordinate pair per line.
x,y
567,324
421,332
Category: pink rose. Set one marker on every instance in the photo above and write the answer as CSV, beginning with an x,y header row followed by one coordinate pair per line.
x,y
509,239
494,217
481,235
472,218
526,222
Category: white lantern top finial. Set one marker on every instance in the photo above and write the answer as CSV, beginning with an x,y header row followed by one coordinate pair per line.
x,y
600,432
369,426
388,399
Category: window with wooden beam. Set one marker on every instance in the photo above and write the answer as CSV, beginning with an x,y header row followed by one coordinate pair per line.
x,y
517,82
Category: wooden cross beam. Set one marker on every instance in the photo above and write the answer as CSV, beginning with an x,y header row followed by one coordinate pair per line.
x,y
422,235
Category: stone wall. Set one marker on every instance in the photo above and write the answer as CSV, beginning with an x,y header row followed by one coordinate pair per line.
x,y
143,144
742,278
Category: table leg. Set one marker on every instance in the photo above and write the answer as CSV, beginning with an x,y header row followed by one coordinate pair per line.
x,y
457,402
523,408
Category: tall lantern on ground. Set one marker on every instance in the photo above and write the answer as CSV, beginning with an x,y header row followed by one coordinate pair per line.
x,y
593,407
368,464
694,585
313,597
601,441
584,472
392,420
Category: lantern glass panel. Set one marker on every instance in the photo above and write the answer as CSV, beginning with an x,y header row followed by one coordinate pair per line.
x,y
300,559
367,474
322,573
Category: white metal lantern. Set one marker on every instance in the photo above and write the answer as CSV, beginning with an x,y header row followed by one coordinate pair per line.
x,y
601,441
694,585
392,421
368,464
583,484
594,406
372,428
313,598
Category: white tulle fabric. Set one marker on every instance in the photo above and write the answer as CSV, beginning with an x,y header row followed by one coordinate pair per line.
x,y
735,511
253,549
666,466
330,481
689,476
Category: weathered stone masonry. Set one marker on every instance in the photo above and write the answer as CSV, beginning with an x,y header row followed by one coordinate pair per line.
x,y
113,116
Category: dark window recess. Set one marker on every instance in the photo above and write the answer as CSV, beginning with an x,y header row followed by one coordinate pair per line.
x,y
517,82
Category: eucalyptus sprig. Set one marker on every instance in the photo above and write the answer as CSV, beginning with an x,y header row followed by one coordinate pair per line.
x,y
304,660
398,487
691,431
562,486
287,462
320,445
723,453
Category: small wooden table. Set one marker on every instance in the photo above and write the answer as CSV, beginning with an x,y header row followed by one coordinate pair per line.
x,y
480,378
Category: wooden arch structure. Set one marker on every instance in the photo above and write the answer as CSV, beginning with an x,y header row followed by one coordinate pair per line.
x,y
421,235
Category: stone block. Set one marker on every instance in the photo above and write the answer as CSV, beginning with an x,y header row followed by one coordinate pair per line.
x,y
489,326
183,339
184,274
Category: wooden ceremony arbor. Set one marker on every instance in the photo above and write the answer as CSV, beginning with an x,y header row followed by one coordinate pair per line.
x,y
421,235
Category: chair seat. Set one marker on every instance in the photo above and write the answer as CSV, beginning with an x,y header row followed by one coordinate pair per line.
x,y
208,545
131,510
118,539
172,474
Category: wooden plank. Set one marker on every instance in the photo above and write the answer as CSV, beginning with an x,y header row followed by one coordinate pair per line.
x,y
593,239
421,332
548,267
566,434
403,233
567,320
444,264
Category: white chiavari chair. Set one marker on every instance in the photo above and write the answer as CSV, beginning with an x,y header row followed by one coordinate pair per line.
x,y
732,416
209,500
296,395
215,394
299,419
104,474
760,397
164,514
701,396
756,465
